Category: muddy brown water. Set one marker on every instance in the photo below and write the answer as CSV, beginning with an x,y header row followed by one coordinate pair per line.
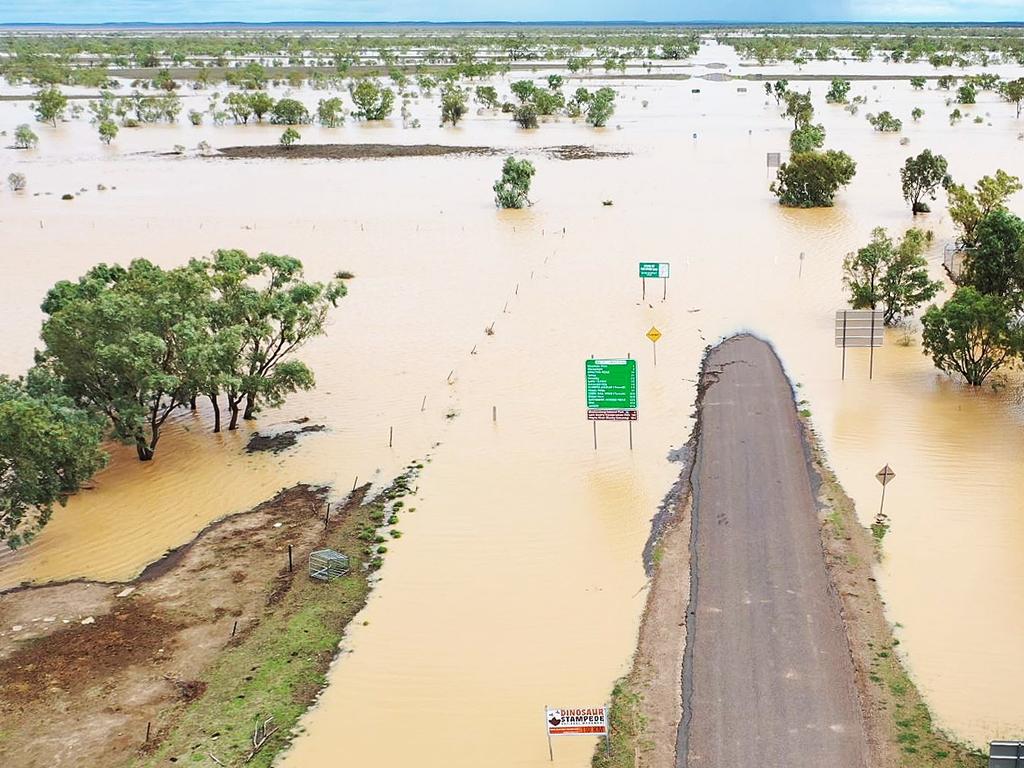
x,y
518,582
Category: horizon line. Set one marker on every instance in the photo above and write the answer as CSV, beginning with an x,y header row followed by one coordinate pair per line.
x,y
506,22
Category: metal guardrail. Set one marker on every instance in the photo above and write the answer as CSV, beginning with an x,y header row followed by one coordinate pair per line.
x,y
1006,754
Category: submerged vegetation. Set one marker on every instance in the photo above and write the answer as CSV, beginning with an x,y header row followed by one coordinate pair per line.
x,y
125,348
512,190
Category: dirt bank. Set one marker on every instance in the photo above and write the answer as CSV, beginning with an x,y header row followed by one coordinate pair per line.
x,y
383,151
218,633
891,721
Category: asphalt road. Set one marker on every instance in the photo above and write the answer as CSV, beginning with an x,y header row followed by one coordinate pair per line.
x,y
767,679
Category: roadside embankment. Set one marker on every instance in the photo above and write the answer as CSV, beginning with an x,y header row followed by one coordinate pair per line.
x,y
179,664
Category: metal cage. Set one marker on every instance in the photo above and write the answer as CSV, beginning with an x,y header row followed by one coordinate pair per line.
x,y
327,565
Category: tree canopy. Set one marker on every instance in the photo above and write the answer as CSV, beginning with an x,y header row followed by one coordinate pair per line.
x,y
811,179
921,177
373,101
973,335
512,190
893,275
48,448
968,208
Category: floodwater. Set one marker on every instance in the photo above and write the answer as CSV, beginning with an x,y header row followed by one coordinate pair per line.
x,y
518,582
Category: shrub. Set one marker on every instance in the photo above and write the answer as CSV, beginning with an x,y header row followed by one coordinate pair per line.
x,y
512,190
811,179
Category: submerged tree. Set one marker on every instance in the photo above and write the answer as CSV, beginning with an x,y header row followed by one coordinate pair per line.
x,y
600,107
289,138
996,264
331,112
838,91
512,190
48,448
374,102
50,105
972,334
488,96
893,275
25,137
116,340
453,104
800,108
274,311
885,122
811,179
1013,92
807,138
289,112
526,116
921,177
967,208
107,130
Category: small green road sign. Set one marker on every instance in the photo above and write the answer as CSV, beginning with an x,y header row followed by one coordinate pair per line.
x,y
611,384
654,269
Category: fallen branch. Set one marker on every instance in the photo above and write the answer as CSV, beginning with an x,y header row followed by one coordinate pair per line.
x,y
260,736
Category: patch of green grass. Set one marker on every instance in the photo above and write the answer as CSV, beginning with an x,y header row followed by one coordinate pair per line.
x,y
277,668
627,723
835,519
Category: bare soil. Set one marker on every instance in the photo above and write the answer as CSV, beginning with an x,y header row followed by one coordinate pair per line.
x,y
384,151
279,441
87,670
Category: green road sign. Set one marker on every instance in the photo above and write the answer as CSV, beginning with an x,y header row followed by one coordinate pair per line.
x,y
611,384
654,269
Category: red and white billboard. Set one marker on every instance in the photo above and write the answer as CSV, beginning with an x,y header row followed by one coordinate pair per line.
x,y
573,721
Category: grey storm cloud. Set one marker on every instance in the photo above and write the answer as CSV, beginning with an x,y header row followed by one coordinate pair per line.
x,y
92,11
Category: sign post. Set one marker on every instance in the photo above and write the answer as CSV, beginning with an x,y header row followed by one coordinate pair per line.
x,y
655,269
580,721
859,328
654,334
885,476
611,392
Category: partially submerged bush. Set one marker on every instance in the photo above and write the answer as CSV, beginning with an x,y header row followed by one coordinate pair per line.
x,y
811,179
512,190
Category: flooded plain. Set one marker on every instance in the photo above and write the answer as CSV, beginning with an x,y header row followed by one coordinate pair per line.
x,y
518,582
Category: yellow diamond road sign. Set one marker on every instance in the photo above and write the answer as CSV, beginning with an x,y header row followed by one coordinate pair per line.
x,y
654,334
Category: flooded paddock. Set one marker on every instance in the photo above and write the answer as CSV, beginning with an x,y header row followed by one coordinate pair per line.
x,y
518,582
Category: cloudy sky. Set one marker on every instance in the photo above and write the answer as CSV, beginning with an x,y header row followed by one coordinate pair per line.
x,y
88,11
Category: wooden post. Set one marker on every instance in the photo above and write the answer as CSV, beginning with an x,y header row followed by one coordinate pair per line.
x,y
289,558
494,414
234,628
148,725
327,517
871,365
391,437
551,753
354,482
423,406
843,377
